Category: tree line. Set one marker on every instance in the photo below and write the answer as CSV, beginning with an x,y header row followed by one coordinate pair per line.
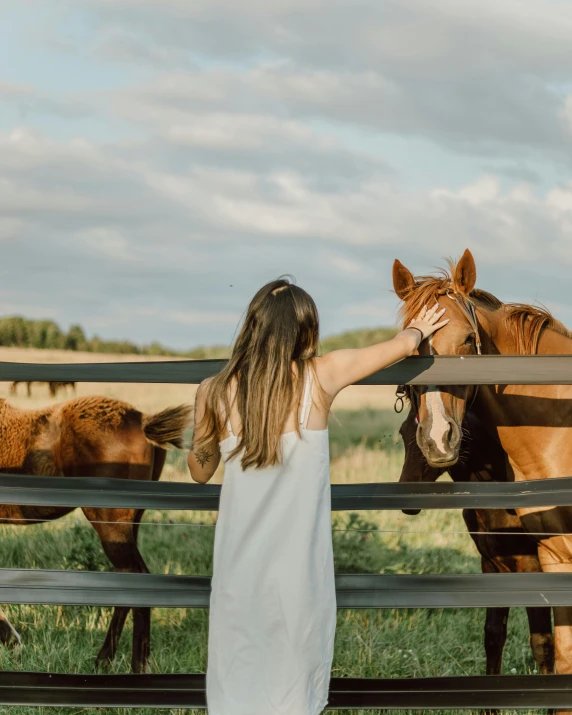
x,y
47,335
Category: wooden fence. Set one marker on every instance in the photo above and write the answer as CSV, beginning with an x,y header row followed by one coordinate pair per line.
x,y
353,591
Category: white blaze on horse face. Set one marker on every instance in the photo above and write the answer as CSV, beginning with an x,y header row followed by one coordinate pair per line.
x,y
439,423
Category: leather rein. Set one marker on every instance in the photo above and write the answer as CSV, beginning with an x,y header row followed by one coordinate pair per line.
x,y
468,310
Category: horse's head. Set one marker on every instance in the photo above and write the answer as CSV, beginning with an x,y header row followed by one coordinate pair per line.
x,y
440,410
415,467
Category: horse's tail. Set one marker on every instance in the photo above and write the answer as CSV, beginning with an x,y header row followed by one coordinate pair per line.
x,y
168,427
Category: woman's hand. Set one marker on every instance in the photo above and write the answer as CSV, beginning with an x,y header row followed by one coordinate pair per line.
x,y
428,321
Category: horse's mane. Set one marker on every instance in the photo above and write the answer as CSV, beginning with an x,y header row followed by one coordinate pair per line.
x,y
525,322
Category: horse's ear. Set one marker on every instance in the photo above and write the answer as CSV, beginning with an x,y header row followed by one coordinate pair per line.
x,y
403,279
465,274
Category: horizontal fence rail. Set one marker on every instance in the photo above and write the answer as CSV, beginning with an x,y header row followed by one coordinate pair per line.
x,y
87,588
135,494
188,691
418,370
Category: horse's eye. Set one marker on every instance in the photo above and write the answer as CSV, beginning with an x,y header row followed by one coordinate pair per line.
x,y
469,339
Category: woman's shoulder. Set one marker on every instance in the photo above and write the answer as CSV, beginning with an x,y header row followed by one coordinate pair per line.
x,y
324,369
203,389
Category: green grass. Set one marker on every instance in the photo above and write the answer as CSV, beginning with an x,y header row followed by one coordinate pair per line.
x,y
369,643
369,428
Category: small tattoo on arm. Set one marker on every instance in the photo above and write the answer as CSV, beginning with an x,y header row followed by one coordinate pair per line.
x,y
203,456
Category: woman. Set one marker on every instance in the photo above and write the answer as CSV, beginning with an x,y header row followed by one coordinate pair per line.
x,y
272,612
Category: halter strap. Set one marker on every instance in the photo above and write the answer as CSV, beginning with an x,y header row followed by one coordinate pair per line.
x,y
307,400
470,313
468,310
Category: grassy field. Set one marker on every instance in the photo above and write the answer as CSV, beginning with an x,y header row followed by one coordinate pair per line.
x,y
369,643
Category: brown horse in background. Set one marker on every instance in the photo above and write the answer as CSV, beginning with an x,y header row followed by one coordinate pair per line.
x,y
498,534
53,386
533,423
92,437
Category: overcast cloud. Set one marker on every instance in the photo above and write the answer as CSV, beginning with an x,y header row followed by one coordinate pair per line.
x,y
160,159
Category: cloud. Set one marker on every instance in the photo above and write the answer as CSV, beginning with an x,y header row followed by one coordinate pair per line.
x,y
28,101
470,76
97,232
484,35
245,141
513,111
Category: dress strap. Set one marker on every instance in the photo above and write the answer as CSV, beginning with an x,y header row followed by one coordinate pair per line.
x,y
307,400
228,425
229,428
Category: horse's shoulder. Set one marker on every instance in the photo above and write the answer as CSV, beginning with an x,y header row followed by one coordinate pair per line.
x,y
96,412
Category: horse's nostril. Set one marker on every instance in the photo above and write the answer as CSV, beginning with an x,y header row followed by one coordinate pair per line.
x,y
450,432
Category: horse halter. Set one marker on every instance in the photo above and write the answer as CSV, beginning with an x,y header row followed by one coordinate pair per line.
x,y
468,310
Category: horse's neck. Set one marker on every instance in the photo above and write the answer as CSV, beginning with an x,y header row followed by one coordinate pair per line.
x,y
554,343
497,340
528,418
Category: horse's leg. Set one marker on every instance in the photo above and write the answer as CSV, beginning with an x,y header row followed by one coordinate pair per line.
x,y
29,386
495,629
541,638
539,622
119,543
108,650
141,651
8,634
495,638
555,556
142,616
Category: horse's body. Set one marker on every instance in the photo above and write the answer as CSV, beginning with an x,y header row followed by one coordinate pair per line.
x,y
92,437
500,538
533,423
53,386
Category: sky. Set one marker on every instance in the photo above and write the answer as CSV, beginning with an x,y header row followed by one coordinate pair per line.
x,y
161,159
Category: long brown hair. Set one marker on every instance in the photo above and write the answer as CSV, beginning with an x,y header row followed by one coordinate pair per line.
x,y
280,331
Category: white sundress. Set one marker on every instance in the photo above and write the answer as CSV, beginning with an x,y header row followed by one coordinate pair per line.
x,y
272,617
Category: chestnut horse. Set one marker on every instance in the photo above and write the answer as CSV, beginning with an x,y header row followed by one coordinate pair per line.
x,y
500,538
92,437
533,423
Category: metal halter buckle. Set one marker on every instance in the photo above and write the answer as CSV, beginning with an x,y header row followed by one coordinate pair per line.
x,y
400,394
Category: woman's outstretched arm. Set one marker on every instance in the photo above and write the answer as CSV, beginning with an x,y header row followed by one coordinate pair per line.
x,y
202,461
341,368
